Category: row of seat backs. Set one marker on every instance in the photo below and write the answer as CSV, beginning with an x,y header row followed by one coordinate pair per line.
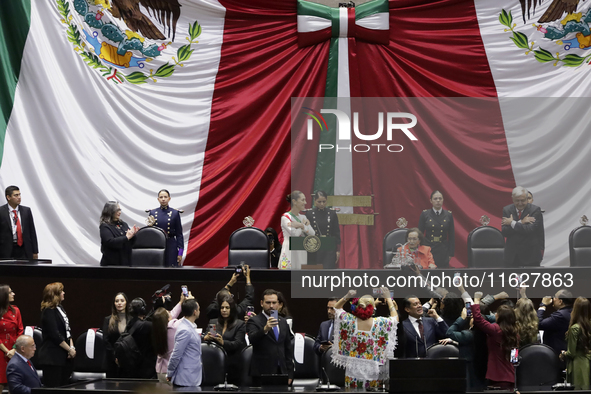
x,y
213,356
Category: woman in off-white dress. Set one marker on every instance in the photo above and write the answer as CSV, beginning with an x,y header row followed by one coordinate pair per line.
x,y
294,224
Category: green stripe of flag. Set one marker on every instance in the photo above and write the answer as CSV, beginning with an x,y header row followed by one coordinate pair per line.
x,y
15,18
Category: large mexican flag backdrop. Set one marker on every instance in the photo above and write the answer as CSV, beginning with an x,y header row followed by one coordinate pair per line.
x,y
116,99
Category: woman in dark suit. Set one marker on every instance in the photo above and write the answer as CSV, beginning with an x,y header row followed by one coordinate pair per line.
x,y
437,225
57,351
229,333
142,334
113,327
116,236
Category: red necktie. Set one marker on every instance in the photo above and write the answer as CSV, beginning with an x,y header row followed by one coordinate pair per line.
x,y
421,329
19,230
519,212
29,362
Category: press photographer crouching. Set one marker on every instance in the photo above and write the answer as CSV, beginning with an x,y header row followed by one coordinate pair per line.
x,y
242,271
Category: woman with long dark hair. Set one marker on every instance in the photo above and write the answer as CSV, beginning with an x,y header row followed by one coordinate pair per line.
x,y
451,308
57,351
164,325
229,333
116,236
113,327
501,337
11,327
578,339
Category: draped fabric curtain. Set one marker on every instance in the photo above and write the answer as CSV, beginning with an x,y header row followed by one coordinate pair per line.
x,y
262,67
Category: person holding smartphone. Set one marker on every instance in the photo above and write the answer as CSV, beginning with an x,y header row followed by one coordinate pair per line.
x,y
501,338
228,332
271,339
212,311
325,336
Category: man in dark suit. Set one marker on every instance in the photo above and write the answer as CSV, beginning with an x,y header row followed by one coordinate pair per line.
x,y
325,333
20,373
556,325
271,339
523,229
18,238
419,332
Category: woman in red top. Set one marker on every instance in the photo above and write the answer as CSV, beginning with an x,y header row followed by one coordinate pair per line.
x,y
501,337
413,247
11,327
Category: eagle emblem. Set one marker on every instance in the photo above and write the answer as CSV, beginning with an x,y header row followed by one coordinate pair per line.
x,y
123,39
561,35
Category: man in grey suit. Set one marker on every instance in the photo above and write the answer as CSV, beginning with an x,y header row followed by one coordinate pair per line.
x,y
18,238
184,367
523,228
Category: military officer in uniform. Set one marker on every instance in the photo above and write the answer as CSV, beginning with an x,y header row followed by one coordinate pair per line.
x,y
169,220
325,223
438,226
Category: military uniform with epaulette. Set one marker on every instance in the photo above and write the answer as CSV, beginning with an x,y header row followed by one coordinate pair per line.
x,y
169,220
440,235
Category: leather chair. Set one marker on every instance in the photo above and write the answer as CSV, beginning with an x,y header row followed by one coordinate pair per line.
x,y
438,350
149,248
213,358
391,243
89,368
38,338
579,246
249,245
486,248
306,374
245,358
336,375
539,368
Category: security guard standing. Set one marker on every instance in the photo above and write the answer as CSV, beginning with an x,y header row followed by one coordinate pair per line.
x,y
325,223
169,220
438,226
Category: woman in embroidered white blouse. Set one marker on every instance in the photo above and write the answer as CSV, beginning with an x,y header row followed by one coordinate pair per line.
x,y
294,224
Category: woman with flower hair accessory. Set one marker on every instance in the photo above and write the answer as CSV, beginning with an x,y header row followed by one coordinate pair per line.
x,y
364,344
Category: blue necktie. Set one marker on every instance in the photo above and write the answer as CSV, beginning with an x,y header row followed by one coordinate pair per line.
x,y
276,331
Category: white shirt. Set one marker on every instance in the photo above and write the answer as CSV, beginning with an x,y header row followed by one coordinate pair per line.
x,y
415,323
437,212
25,359
18,212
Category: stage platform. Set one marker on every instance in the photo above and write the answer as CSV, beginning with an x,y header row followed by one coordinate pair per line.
x,y
114,386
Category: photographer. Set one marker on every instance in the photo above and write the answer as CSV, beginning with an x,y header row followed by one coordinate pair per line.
x,y
212,310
